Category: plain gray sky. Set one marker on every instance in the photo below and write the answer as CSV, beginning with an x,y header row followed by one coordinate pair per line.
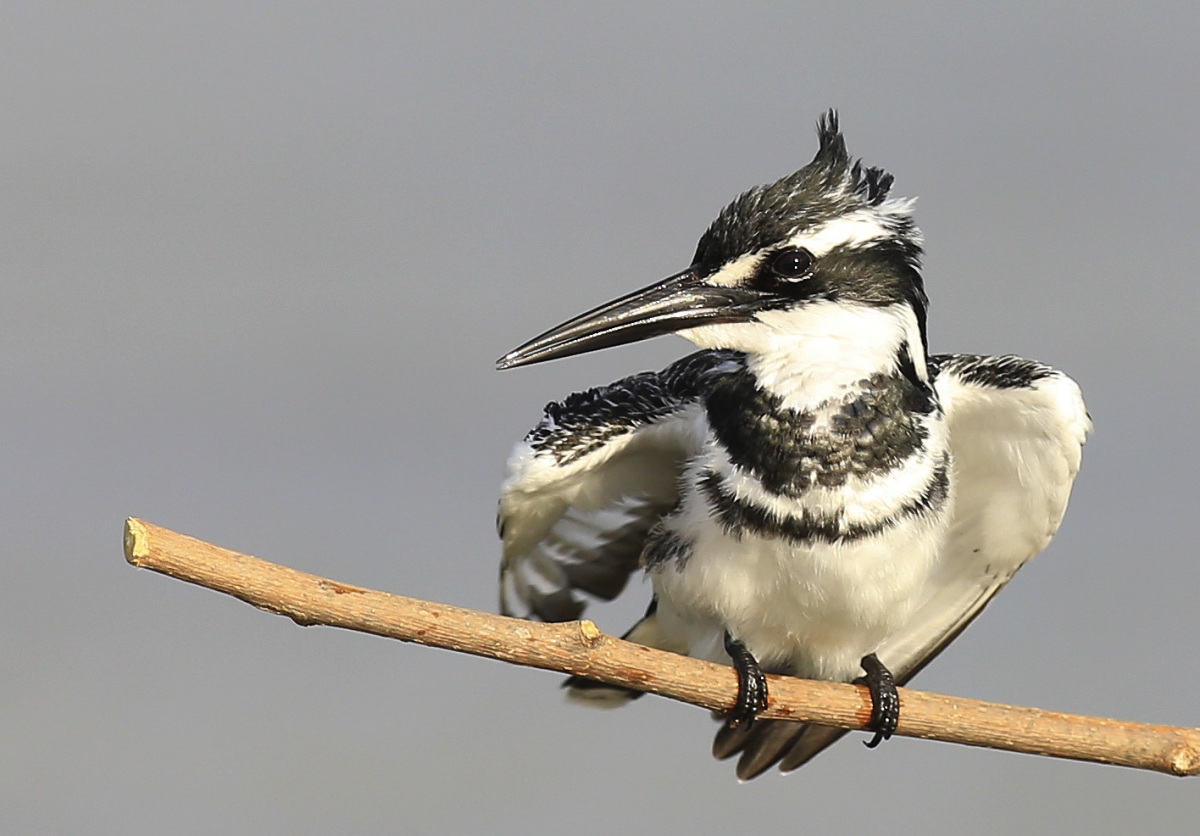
x,y
258,260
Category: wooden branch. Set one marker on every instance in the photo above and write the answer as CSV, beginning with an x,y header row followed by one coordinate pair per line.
x,y
578,647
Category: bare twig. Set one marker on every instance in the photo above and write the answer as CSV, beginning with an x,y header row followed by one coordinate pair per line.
x,y
578,647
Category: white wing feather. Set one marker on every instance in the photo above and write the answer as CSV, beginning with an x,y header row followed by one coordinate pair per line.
x,y
561,525
1016,451
588,483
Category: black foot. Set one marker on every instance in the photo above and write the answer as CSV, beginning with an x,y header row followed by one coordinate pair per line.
x,y
885,702
752,685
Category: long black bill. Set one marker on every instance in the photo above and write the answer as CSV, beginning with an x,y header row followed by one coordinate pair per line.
x,y
679,302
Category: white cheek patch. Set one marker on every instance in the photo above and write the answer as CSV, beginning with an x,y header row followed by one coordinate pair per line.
x,y
916,345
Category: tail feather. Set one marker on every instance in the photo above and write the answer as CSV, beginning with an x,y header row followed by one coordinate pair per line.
x,y
770,742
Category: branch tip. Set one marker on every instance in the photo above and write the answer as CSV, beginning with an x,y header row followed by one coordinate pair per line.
x,y
1185,761
137,547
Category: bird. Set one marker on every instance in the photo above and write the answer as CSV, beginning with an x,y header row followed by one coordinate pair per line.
x,y
811,493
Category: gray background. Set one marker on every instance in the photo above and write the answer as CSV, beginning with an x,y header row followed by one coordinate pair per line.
x,y
258,260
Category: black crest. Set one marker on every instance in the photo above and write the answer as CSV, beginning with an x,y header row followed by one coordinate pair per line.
x,y
831,185
868,183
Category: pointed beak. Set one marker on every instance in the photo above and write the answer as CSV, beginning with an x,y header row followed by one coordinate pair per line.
x,y
681,301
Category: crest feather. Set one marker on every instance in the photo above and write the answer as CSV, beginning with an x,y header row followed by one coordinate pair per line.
x,y
832,150
833,184
869,183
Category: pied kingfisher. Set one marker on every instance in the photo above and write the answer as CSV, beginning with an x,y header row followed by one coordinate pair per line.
x,y
812,493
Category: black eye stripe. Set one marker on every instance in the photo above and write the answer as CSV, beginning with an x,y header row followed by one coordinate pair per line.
x,y
791,264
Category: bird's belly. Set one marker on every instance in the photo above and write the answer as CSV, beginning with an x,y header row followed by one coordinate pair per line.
x,y
811,610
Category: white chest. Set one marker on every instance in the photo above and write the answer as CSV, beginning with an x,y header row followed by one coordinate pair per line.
x,y
811,608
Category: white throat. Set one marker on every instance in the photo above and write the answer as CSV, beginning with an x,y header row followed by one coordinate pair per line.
x,y
812,354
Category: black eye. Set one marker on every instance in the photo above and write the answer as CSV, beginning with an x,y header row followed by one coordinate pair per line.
x,y
790,265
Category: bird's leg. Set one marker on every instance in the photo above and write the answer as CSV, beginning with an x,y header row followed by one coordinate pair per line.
x,y
885,702
752,685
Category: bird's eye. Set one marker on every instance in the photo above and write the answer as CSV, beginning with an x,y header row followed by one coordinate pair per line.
x,y
790,265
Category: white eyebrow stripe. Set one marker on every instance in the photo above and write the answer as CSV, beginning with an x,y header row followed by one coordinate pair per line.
x,y
849,230
854,229
736,272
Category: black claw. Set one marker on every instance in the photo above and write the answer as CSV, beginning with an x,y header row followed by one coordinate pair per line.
x,y
885,702
752,685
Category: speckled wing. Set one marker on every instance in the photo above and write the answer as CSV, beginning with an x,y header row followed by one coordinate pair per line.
x,y
1017,429
589,481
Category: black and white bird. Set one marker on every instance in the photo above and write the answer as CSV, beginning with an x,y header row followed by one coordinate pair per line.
x,y
812,493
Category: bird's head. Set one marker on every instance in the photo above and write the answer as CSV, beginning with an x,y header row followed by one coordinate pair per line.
x,y
827,235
